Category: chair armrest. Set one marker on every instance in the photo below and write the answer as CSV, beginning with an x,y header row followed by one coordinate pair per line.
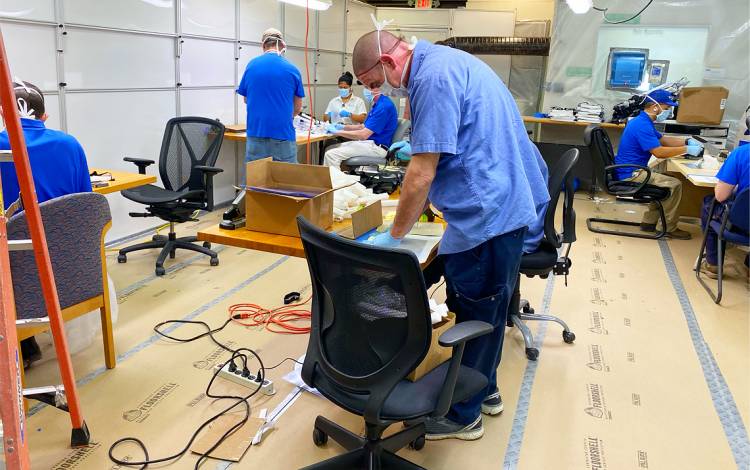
x,y
638,167
211,170
456,337
141,163
463,332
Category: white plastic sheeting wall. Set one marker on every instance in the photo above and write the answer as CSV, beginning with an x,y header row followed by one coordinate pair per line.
x,y
571,73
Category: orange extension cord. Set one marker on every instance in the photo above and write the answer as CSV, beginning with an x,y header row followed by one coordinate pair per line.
x,y
283,319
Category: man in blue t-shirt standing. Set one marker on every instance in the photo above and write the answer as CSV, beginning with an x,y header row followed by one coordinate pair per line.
x,y
273,91
370,139
734,177
58,165
639,141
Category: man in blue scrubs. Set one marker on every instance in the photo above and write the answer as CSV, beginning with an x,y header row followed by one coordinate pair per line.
x,y
639,141
370,139
734,177
472,156
273,91
58,165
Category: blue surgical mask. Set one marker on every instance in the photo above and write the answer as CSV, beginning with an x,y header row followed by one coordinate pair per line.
x,y
344,92
368,95
664,115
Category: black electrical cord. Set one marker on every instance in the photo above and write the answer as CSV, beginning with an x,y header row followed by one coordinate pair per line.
x,y
283,361
236,354
604,14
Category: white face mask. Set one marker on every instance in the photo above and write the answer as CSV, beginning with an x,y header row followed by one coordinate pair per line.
x,y
386,88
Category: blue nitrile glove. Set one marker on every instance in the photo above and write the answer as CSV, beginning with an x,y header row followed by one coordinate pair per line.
x,y
694,150
692,141
344,113
333,128
403,149
384,240
330,115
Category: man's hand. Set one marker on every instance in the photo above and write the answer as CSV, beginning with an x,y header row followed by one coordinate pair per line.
x,y
334,128
403,150
344,113
414,190
384,240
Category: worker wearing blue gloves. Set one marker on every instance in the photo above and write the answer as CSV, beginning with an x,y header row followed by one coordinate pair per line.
x,y
403,150
346,107
472,159
639,141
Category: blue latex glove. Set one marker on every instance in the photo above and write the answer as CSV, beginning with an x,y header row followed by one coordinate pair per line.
x,y
333,128
384,240
694,150
692,141
403,149
330,115
344,113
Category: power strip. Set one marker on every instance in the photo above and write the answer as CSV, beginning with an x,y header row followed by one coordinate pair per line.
x,y
250,381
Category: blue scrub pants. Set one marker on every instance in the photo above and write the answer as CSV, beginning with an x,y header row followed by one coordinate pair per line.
x,y
479,285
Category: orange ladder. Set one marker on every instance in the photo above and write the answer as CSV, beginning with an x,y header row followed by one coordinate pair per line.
x,y
15,435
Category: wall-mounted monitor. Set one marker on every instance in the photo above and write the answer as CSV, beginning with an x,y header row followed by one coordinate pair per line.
x,y
626,68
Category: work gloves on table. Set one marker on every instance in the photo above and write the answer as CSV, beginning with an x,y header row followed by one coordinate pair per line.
x,y
403,150
333,128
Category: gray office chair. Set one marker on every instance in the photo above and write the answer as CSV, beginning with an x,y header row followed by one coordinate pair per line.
x,y
355,162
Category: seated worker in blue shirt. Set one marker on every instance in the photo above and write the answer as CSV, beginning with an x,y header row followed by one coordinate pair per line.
x,y
273,91
639,141
734,176
370,139
471,156
58,165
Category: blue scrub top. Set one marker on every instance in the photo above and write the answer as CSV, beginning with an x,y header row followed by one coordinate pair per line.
x,y
736,168
57,163
490,177
382,121
638,139
270,83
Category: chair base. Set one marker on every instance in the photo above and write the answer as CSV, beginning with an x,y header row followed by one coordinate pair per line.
x,y
371,453
522,310
654,236
720,267
169,245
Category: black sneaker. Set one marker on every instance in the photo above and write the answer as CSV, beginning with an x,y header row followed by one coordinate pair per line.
x,y
30,351
443,428
493,404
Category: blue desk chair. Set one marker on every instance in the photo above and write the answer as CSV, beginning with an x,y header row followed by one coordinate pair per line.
x,y
733,227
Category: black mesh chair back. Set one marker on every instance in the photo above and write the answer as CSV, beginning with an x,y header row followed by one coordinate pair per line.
x,y
370,315
561,182
188,142
602,153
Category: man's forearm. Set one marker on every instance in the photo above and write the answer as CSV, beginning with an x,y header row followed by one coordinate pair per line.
x,y
413,198
672,141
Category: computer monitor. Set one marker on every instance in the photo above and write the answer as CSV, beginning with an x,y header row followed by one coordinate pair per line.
x,y
625,68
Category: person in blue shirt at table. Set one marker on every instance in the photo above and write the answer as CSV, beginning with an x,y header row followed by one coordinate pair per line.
x,y
370,139
639,141
734,177
273,91
58,165
472,159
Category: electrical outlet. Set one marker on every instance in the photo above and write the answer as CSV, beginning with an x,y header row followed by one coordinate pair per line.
x,y
250,381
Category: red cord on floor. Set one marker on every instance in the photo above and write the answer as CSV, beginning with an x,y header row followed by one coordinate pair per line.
x,y
283,319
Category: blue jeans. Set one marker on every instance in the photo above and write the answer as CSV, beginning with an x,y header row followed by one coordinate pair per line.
x,y
263,147
479,285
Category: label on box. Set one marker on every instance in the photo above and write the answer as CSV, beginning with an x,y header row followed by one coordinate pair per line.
x,y
723,104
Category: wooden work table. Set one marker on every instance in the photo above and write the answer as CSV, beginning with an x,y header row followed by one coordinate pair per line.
x,y
678,165
122,180
301,139
536,120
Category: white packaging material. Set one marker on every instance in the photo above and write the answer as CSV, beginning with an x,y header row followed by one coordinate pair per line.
x,y
710,163
390,203
369,199
438,312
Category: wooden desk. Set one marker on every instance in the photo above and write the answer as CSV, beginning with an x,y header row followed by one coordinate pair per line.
x,y
122,180
536,120
693,191
678,165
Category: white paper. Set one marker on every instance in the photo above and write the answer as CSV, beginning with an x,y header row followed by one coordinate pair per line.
x,y
703,179
420,245
295,378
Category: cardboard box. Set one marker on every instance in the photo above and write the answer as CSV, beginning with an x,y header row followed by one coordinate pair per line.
x,y
277,213
437,354
364,220
702,105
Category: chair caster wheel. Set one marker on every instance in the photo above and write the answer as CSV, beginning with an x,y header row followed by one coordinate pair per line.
x,y
569,337
207,245
160,271
529,310
214,261
418,443
319,437
532,353
122,258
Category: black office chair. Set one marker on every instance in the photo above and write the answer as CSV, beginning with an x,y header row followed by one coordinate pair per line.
x,y
356,162
603,159
545,259
370,329
186,165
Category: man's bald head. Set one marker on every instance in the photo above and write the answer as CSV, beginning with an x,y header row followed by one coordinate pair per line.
x,y
365,55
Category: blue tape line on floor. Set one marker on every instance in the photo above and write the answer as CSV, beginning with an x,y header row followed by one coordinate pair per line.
x,y
513,450
724,403
154,338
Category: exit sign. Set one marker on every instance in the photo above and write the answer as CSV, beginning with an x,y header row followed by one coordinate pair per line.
x,y
423,4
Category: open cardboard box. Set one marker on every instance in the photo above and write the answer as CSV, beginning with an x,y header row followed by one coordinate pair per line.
x,y
437,354
277,213
703,105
